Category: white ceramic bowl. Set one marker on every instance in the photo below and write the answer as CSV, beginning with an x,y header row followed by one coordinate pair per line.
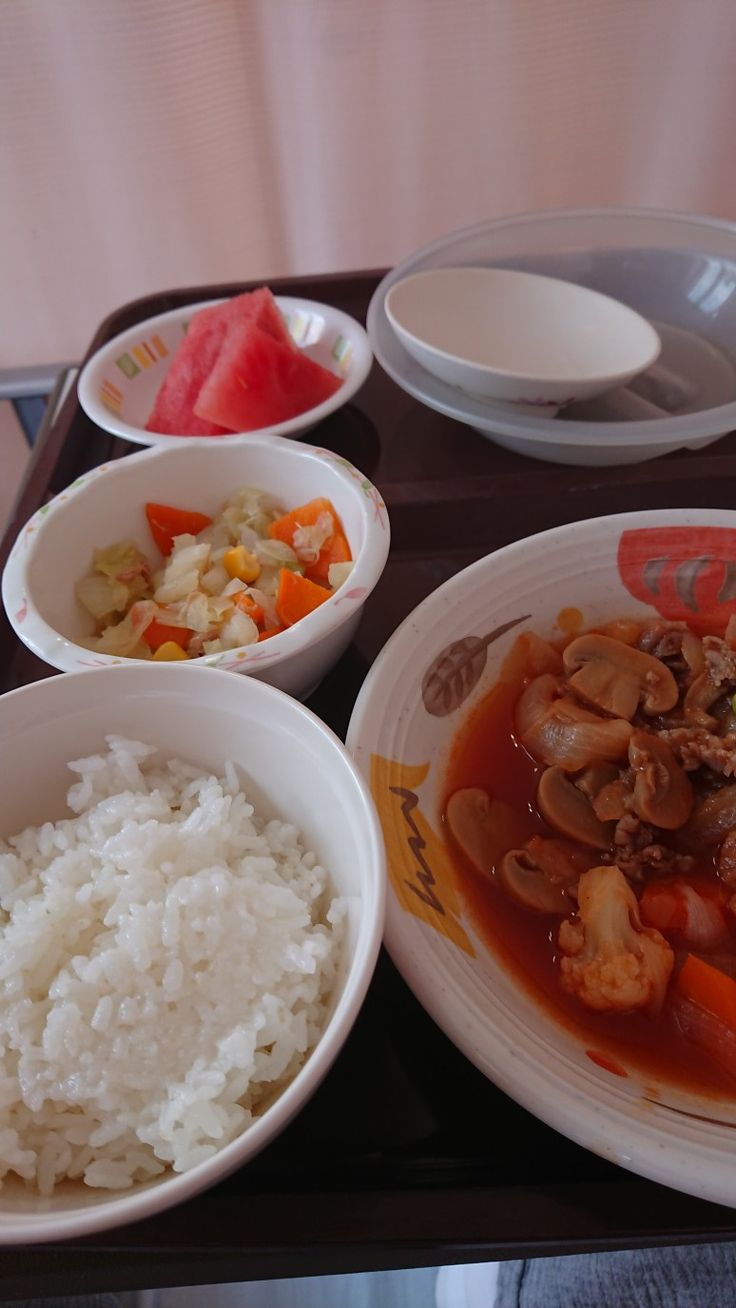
x,y
293,767
54,548
677,270
402,740
518,337
118,385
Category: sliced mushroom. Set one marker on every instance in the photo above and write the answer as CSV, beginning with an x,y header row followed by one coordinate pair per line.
x,y
592,779
701,696
663,795
568,810
617,678
613,799
674,640
469,819
527,884
712,818
560,732
726,719
692,652
561,861
484,827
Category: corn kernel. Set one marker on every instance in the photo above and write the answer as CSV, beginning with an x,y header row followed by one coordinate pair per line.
x,y
169,652
240,564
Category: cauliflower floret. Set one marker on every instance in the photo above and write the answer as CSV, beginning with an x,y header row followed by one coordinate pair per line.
x,y
615,963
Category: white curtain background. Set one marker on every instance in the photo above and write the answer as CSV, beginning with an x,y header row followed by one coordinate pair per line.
x,y
146,144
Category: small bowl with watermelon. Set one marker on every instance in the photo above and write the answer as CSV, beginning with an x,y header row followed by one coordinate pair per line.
x,y
256,362
253,555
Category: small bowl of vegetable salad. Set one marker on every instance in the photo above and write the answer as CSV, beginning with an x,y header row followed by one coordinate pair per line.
x,y
255,556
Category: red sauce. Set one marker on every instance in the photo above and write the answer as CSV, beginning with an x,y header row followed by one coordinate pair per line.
x,y
608,1064
488,754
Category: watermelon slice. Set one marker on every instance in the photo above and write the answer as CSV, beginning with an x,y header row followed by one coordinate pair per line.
x,y
174,409
258,382
173,412
261,308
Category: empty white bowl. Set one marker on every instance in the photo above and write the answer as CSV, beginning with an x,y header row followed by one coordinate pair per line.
x,y
54,549
677,270
118,385
518,337
292,767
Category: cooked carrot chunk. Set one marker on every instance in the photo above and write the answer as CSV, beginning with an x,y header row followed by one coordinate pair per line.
x,y
297,596
335,549
166,523
709,988
158,633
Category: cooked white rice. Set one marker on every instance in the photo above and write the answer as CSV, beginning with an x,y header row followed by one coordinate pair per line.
x,y
166,961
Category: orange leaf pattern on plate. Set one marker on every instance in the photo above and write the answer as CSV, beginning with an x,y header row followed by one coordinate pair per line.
x,y
419,868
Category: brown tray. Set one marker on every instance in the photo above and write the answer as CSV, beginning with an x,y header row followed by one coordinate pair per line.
x,y
407,1155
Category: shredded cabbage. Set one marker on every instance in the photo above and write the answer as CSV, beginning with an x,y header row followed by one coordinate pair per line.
x,y
337,573
120,558
308,541
238,630
215,579
272,553
102,596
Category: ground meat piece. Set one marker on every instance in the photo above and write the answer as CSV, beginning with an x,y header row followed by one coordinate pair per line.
x,y
720,661
696,747
615,798
638,854
663,639
631,833
654,860
675,645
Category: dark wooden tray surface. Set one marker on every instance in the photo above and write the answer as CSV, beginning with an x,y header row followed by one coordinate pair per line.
x,y
407,1155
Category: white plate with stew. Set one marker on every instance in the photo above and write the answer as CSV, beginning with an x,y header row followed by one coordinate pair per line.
x,y
613,1028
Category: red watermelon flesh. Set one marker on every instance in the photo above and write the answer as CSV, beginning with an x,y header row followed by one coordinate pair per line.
x,y
260,307
258,382
173,411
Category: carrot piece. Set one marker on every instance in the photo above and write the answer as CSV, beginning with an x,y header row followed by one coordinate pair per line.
x,y
690,909
304,516
159,633
664,906
335,549
250,607
166,522
273,631
297,596
709,988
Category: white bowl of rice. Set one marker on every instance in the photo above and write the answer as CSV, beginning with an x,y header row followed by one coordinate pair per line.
x,y
190,916
54,552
